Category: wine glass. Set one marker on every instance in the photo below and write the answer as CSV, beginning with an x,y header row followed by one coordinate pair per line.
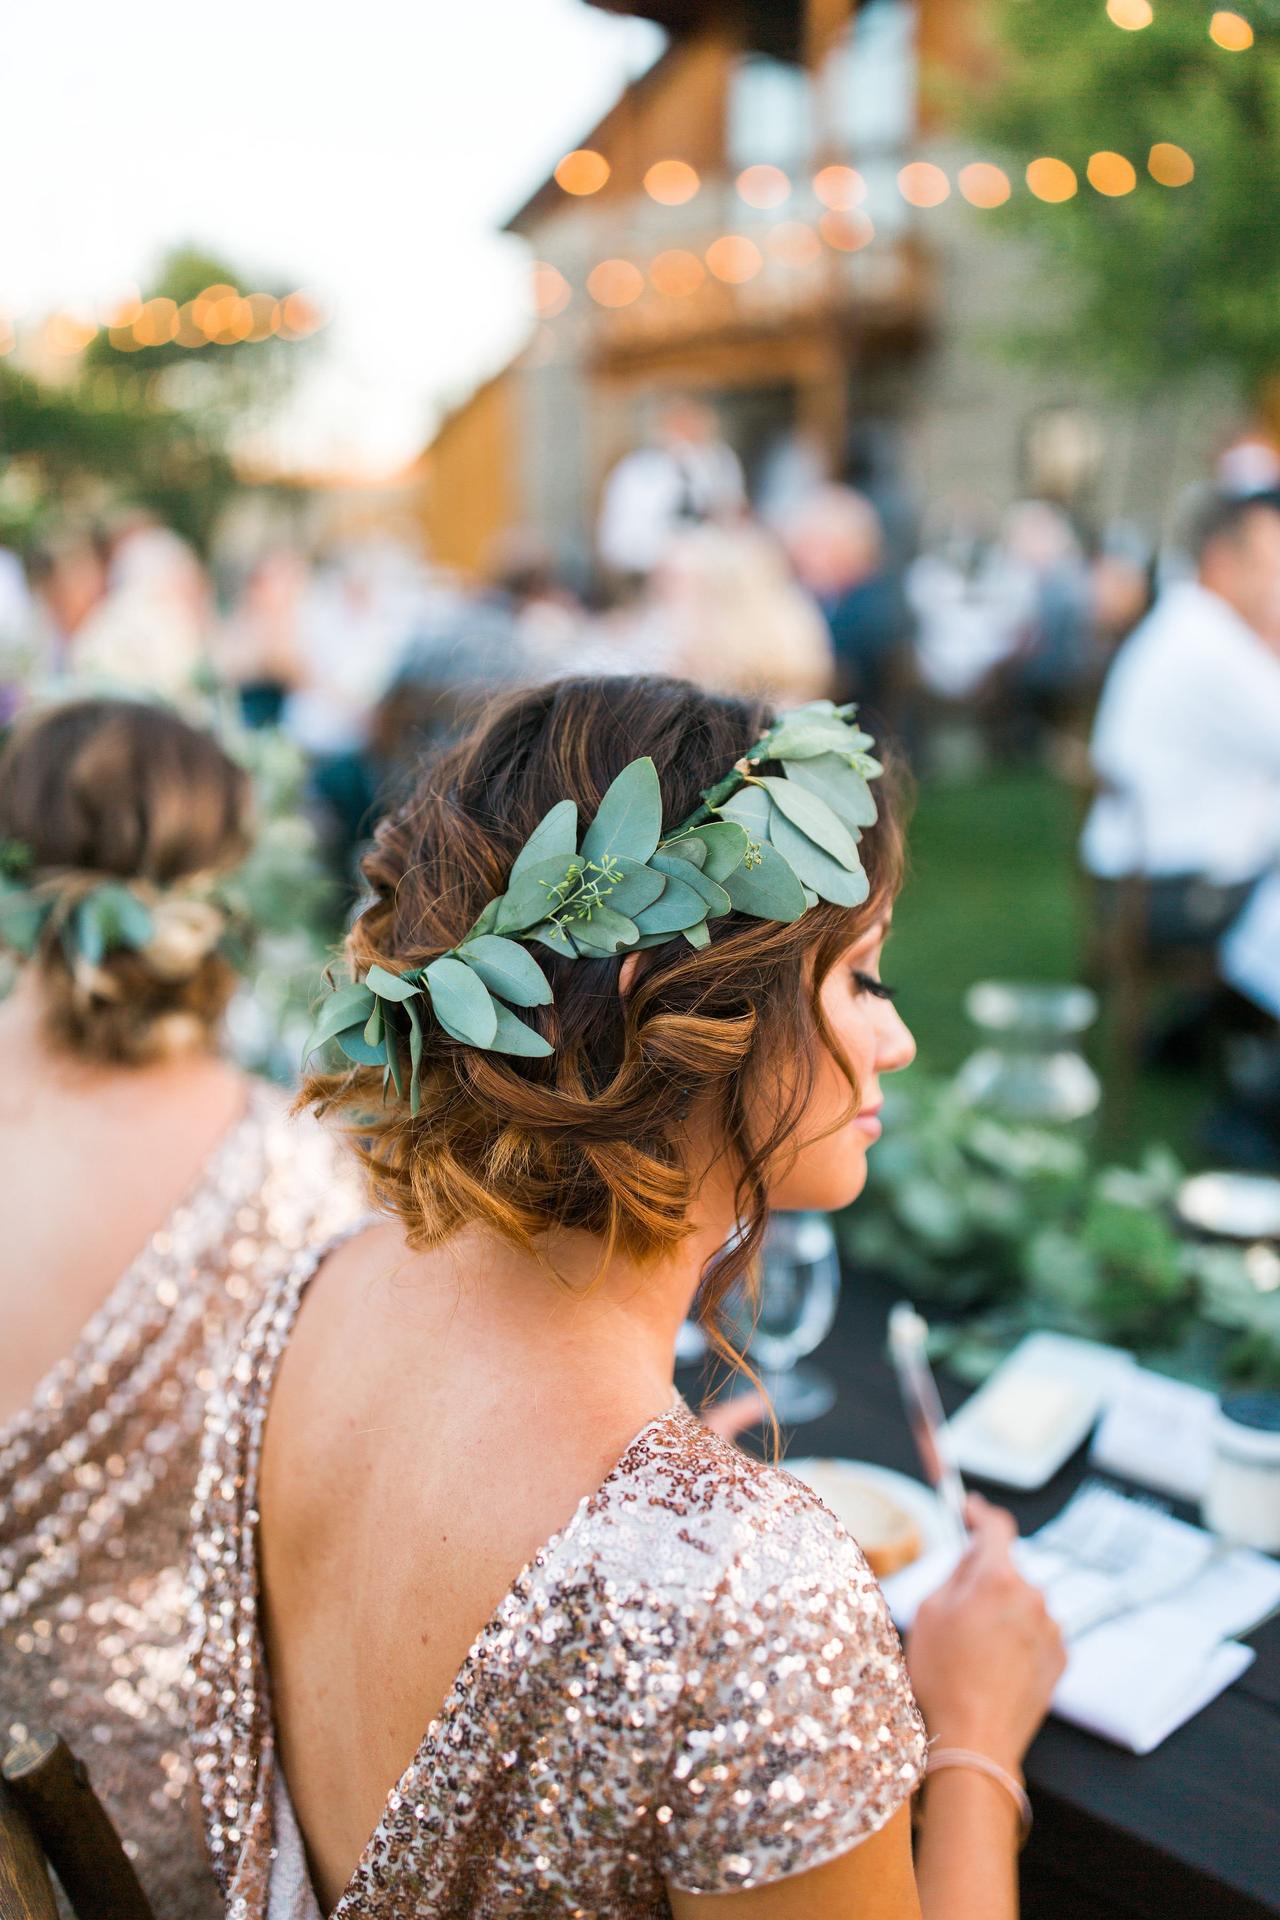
x,y
798,1295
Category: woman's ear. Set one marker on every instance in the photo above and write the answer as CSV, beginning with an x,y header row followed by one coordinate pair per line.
x,y
627,974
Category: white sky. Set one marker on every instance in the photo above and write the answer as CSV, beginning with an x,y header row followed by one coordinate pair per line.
x,y
368,151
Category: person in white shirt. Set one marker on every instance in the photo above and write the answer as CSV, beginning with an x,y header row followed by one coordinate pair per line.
x,y
1187,748
688,476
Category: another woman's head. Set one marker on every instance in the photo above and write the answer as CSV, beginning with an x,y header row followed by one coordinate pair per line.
x,y
756,1053
116,801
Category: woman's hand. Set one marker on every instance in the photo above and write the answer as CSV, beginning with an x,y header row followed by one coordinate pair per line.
x,y
983,1655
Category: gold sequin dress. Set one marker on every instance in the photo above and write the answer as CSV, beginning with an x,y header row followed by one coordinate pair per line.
x,y
695,1683
97,1476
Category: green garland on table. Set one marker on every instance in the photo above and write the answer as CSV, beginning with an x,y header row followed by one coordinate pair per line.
x,y
766,844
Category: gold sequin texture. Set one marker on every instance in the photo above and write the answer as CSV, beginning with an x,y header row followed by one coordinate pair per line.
x,y
97,1476
695,1683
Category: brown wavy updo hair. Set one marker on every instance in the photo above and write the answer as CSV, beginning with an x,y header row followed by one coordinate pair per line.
x,y
109,789
592,1137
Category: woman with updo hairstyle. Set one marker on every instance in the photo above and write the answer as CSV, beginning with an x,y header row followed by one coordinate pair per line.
x,y
151,1191
489,1623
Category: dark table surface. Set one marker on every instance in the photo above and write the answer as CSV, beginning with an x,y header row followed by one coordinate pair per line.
x,y
1189,1832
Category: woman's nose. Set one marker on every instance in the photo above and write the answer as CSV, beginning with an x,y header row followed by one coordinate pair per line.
x,y
897,1043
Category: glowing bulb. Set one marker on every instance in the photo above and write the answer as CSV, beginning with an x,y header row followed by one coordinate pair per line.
x,y
847,232
921,184
1051,180
1231,31
615,283
763,186
672,182
1169,165
677,273
1111,174
984,185
733,258
582,171
1132,15
840,188
550,290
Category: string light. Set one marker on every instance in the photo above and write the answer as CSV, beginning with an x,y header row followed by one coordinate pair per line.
x,y
921,184
157,323
1170,166
1132,15
615,283
840,188
846,232
188,333
676,273
733,258
1111,174
793,244
582,171
1231,31
67,334
984,185
764,187
550,290
1051,180
671,182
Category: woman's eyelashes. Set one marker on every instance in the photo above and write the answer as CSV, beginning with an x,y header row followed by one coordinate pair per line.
x,y
867,983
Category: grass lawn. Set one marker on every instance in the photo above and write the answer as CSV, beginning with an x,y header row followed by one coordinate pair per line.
x,y
993,892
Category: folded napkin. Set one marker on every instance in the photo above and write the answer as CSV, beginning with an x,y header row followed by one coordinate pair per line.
x,y
1150,1639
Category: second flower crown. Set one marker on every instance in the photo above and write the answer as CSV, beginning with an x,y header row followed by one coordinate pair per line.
x,y
765,844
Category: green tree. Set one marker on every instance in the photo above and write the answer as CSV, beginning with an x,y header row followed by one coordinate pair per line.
x,y
1164,281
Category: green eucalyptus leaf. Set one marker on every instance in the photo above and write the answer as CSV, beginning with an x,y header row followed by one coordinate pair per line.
x,y
373,1025
391,1048
513,1036
554,937
697,936
508,969
629,822
801,738
638,888
836,782
391,986
725,842
749,809
461,1002
357,1048
488,919
769,890
815,868
604,934
687,846
814,819
22,916
91,926
714,897
678,907
556,833
415,1058
529,900
349,1006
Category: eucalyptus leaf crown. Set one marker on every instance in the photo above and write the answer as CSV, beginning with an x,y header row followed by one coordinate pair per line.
x,y
769,845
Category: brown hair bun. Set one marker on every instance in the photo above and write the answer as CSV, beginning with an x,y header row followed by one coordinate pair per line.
x,y
104,789
592,1137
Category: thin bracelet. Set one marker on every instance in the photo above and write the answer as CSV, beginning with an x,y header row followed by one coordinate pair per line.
x,y
941,1757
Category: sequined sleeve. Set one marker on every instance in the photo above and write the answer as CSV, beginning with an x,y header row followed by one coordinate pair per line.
x,y
798,1735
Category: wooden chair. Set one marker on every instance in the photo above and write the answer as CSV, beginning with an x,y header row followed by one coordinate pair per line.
x,y
51,1819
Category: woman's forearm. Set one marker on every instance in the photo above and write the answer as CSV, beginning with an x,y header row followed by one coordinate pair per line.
x,y
967,1849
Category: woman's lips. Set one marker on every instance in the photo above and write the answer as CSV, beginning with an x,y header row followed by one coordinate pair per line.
x,y
869,1120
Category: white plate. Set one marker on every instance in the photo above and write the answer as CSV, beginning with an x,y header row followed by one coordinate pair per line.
x,y
1080,1375
913,1496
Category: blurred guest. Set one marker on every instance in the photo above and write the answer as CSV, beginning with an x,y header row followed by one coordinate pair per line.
x,y
972,607
722,610
17,652
1187,744
1050,672
68,576
688,475
836,544
1120,585
1251,463
151,630
150,1189
259,646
